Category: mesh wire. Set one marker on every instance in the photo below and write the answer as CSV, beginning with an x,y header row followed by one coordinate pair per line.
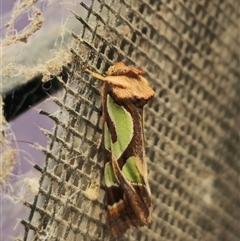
x,y
189,50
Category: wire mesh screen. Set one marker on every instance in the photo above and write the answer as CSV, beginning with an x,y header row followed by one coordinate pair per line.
x,y
188,50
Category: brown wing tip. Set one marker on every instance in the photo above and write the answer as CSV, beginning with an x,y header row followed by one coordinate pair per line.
x,y
121,217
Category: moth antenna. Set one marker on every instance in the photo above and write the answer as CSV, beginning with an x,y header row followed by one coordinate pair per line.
x,y
95,75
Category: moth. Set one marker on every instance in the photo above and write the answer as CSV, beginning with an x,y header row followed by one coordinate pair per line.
x,y
124,93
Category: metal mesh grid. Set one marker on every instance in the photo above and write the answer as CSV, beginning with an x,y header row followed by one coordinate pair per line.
x,y
189,52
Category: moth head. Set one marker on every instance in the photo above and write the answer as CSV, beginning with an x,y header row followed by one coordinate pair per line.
x,y
113,69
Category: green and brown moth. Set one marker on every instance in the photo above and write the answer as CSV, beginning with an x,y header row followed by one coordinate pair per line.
x,y
124,94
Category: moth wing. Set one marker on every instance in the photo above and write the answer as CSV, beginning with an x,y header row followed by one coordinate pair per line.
x,y
122,122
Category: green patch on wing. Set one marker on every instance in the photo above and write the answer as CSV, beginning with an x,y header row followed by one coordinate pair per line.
x,y
131,172
123,124
109,176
